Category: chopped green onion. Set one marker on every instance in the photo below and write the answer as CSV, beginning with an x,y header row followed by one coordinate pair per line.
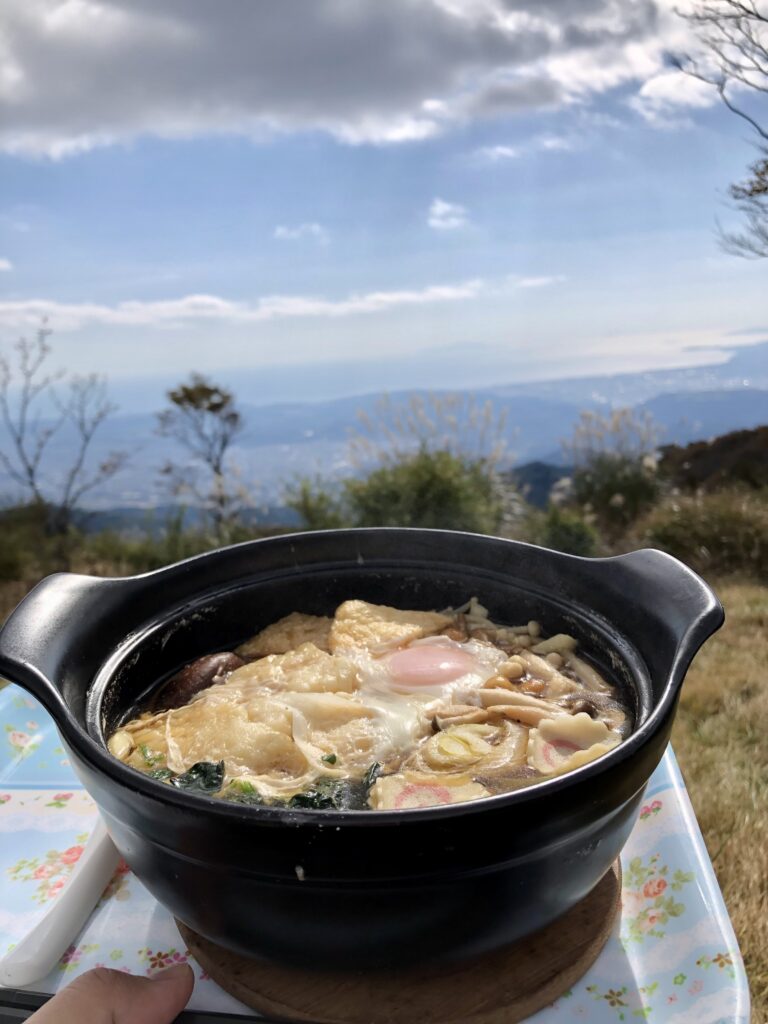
x,y
151,757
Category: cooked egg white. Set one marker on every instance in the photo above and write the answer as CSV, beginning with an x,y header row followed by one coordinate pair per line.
x,y
433,668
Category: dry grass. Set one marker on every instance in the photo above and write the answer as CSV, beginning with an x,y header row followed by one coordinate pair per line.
x,y
720,740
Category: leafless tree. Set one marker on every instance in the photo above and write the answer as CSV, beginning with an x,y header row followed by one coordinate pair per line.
x,y
456,422
734,34
751,198
24,382
86,408
203,419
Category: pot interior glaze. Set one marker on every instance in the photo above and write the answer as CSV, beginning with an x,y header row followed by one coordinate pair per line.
x,y
224,619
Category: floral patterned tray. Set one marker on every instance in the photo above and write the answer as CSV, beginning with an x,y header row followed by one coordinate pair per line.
x,y
672,959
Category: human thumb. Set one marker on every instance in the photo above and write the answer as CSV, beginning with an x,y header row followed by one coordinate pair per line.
x,y
103,996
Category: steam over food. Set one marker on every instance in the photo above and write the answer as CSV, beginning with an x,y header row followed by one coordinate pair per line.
x,y
377,708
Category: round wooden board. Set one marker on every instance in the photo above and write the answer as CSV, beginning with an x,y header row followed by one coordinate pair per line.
x,y
501,987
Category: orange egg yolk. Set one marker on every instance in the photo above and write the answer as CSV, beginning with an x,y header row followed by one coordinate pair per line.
x,y
428,665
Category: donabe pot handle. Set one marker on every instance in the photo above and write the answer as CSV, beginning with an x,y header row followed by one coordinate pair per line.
x,y
682,604
44,637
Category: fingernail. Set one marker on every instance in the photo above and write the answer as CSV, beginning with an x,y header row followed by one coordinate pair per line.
x,y
169,973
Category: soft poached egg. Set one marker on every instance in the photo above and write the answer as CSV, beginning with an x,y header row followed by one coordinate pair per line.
x,y
433,668
403,685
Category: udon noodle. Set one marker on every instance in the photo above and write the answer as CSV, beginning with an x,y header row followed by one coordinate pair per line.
x,y
377,708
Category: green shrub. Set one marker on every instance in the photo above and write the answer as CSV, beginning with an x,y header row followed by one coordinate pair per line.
x,y
616,490
437,490
429,489
722,532
112,553
26,546
565,529
316,506
12,562
614,476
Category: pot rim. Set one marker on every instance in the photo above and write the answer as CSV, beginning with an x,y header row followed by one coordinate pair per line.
x,y
88,749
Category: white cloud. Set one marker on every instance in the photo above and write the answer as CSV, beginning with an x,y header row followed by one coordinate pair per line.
x,y
445,216
539,143
5,265
664,95
293,234
496,154
555,142
188,309
77,74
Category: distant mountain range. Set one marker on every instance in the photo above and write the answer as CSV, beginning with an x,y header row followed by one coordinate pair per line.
x,y
700,415
286,440
745,368
470,367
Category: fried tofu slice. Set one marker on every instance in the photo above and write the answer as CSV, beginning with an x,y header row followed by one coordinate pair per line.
x,y
306,669
198,732
287,634
359,624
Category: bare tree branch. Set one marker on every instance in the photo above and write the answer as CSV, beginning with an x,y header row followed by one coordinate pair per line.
x,y
86,408
23,381
734,36
29,444
456,423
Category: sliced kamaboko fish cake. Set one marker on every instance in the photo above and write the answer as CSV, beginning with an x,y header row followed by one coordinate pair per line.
x,y
413,789
360,624
307,669
479,747
287,634
561,744
459,747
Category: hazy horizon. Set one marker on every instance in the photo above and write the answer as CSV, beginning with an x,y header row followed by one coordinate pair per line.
x,y
475,368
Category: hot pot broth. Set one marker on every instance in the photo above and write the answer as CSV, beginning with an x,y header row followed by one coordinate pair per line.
x,y
377,708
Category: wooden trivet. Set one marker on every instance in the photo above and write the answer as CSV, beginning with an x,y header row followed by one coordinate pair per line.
x,y
501,987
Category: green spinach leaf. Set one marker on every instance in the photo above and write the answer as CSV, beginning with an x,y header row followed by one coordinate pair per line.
x,y
338,794
371,775
202,777
244,792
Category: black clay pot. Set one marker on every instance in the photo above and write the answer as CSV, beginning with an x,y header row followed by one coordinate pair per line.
x,y
361,887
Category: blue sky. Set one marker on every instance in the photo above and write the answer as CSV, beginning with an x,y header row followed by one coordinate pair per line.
x,y
188,186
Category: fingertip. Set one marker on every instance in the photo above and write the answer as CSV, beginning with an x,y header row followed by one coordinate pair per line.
x,y
178,974
175,971
161,997
102,995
